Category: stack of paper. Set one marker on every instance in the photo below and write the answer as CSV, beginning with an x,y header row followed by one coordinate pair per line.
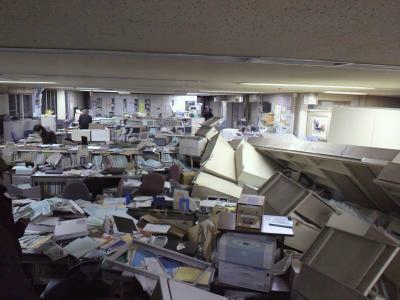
x,y
157,228
33,241
80,247
70,229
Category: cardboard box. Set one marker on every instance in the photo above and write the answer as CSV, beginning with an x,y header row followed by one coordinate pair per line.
x,y
252,168
250,209
219,159
269,118
187,177
208,185
192,146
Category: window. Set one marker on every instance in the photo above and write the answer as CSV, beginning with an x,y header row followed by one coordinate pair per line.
x,y
20,105
49,101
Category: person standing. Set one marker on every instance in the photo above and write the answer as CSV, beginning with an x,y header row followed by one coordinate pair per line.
x,y
207,113
84,119
13,282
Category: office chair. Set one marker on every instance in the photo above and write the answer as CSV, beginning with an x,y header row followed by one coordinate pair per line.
x,y
174,173
14,136
75,191
27,133
152,185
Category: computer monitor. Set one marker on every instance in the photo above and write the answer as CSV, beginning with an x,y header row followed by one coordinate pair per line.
x,y
188,129
160,141
143,136
135,130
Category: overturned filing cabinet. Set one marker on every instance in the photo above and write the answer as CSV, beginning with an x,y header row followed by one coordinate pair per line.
x,y
205,185
193,146
342,265
206,132
246,260
253,168
285,197
219,159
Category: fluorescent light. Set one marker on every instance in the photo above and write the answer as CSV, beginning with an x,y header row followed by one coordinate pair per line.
x,y
308,85
95,90
345,93
220,92
27,82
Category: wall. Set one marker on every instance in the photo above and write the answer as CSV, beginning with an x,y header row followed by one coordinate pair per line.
x,y
160,104
61,105
372,127
3,104
73,99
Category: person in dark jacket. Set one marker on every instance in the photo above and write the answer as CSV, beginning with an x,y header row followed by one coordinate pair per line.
x,y
13,282
84,119
48,137
207,113
15,229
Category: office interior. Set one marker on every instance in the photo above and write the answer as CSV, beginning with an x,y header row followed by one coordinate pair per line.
x,y
245,150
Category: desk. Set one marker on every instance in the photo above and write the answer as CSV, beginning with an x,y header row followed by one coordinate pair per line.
x,y
227,222
53,184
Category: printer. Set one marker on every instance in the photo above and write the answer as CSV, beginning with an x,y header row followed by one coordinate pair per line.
x,y
246,260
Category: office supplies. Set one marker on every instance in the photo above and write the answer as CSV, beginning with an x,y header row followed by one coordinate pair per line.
x,y
54,159
79,247
157,228
23,170
192,145
124,225
52,250
250,209
70,229
115,163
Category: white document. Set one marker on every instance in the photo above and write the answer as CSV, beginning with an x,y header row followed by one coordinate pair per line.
x,y
156,228
70,229
54,159
24,186
48,221
277,225
153,266
80,247
132,183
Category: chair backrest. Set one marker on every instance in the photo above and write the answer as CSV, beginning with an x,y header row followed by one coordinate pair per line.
x,y
152,184
174,172
14,136
27,133
75,191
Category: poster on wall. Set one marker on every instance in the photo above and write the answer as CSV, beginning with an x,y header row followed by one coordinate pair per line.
x,y
318,124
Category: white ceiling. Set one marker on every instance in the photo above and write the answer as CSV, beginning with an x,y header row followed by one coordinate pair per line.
x,y
226,36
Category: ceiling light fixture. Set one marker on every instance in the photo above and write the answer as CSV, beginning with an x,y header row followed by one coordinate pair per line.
x,y
229,92
27,82
345,93
307,85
